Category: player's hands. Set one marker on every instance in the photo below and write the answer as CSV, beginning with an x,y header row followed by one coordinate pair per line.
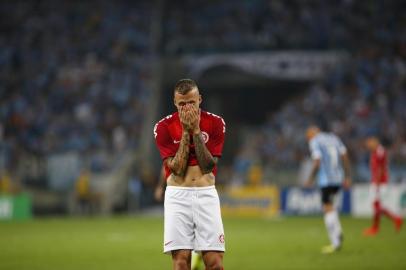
x,y
194,114
190,118
185,118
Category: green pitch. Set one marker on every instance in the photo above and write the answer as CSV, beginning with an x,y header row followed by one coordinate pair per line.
x,y
136,243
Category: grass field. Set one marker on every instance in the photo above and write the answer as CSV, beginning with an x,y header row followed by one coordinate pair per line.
x,y
136,242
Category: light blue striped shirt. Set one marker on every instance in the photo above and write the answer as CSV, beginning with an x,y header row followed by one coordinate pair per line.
x,y
328,148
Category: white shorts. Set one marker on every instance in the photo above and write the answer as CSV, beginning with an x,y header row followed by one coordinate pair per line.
x,y
193,219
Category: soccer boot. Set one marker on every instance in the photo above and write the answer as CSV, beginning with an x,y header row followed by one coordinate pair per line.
x,y
370,231
398,224
330,249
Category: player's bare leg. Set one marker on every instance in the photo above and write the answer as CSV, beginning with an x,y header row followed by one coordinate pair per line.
x,y
333,227
181,259
213,260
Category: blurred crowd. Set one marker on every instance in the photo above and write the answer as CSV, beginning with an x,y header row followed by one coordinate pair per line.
x,y
364,97
199,26
74,76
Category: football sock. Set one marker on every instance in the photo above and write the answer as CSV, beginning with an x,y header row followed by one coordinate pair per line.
x,y
377,215
381,210
389,214
337,224
333,227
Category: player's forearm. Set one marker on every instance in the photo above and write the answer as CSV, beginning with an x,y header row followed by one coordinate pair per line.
x,y
162,181
314,169
204,157
347,166
178,164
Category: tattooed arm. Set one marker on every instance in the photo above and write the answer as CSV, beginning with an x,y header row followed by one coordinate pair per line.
x,y
204,157
178,163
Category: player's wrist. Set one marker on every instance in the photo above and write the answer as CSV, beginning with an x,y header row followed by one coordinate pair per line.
x,y
196,131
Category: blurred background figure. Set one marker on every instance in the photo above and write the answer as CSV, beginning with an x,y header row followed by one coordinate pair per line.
x,y
379,180
134,192
5,183
332,167
83,192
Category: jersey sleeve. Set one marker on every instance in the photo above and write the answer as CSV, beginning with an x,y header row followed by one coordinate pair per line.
x,y
166,146
315,150
216,140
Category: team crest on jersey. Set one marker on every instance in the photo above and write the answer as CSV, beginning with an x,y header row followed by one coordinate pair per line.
x,y
221,238
205,136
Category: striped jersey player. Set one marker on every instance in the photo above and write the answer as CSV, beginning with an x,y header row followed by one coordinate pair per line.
x,y
331,164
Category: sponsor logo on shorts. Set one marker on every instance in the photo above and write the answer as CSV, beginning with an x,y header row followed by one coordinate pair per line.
x,y
167,243
221,238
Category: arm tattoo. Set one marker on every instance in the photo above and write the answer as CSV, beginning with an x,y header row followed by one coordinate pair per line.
x,y
204,157
178,164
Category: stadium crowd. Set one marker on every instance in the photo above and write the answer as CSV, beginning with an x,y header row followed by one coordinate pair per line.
x,y
73,76
199,26
363,98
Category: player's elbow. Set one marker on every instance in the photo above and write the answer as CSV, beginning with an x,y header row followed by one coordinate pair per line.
x,y
176,169
345,159
316,164
178,172
208,167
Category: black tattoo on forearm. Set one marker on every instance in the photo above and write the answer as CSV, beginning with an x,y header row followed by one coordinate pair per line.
x,y
178,164
204,157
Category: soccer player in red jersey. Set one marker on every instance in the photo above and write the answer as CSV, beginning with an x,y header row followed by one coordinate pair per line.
x,y
379,179
190,141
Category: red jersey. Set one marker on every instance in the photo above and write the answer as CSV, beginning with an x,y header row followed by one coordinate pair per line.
x,y
168,133
379,166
